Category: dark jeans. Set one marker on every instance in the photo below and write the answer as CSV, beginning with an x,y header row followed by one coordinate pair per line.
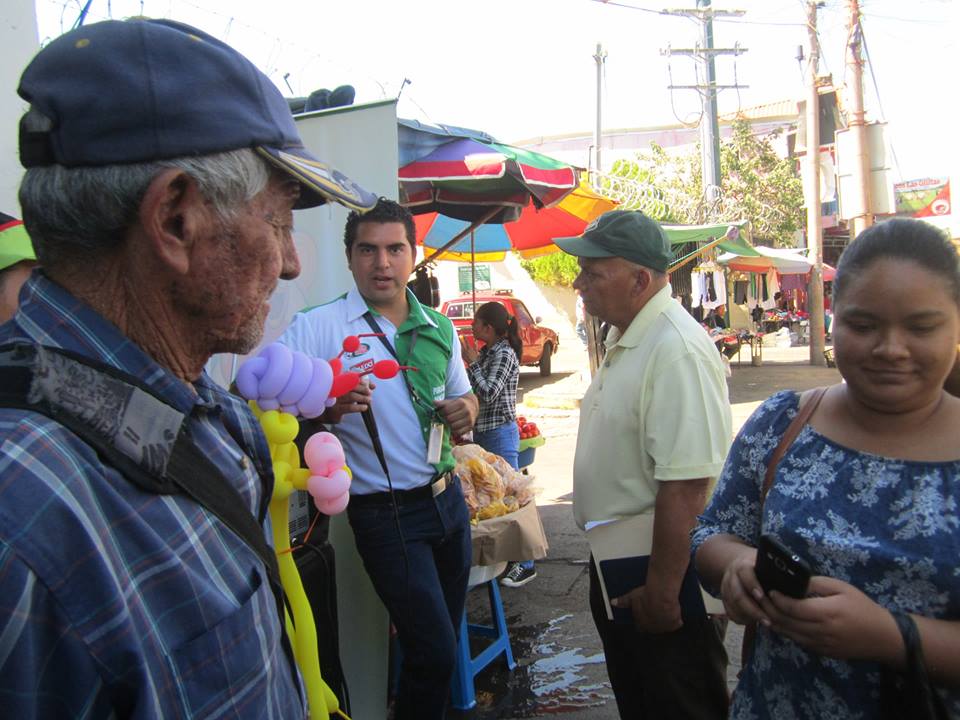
x,y
424,594
670,676
503,440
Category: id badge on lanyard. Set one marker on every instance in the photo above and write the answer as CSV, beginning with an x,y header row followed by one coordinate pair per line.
x,y
435,442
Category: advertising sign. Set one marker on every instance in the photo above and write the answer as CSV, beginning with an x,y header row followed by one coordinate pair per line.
x,y
926,197
465,277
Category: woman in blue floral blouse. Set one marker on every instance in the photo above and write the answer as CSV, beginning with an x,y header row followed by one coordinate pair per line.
x,y
868,494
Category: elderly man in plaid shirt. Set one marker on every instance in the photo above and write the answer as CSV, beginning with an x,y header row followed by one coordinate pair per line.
x,y
162,171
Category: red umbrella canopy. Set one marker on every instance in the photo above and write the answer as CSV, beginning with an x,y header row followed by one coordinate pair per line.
x,y
465,178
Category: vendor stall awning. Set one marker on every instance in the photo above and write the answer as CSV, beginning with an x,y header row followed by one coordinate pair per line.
x,y
734,242
786,261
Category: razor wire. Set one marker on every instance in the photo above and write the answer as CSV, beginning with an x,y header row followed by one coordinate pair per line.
x,y
665,204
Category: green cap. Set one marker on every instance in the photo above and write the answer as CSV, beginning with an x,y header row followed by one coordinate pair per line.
x,y
627,234
15,245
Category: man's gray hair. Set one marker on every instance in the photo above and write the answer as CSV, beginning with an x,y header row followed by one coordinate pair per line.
x,y
73,213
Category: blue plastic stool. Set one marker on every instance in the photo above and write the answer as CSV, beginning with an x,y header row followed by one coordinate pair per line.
x,y
463,695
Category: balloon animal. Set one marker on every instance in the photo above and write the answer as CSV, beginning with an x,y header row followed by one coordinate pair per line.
x,y
281,384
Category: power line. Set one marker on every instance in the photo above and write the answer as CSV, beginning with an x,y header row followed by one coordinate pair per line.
x,y
629,7
876,91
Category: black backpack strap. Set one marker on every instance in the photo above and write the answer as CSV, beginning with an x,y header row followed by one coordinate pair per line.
x,y
136,433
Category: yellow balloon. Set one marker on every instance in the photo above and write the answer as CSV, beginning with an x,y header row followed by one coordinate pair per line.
x,y
289,454
282,487
298,478
280,429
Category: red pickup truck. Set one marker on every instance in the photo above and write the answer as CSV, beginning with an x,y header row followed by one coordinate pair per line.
x,y
539,342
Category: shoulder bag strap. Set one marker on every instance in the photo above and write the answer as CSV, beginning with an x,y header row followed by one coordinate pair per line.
x,y
184,468
804,411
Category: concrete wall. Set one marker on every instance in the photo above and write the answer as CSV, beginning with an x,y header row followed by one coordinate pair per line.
x,y
18,38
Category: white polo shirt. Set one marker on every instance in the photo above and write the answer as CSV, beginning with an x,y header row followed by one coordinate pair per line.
x,y
657,410
319,332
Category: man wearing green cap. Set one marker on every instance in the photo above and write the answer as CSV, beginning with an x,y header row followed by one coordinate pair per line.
x,y
655,427
16,262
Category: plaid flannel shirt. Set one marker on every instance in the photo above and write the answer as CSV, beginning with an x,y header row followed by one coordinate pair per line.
x,y
115,602
494,376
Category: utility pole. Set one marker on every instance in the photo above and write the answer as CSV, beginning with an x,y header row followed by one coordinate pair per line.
x,y
705,52
599,57
858,126
812,192
710,125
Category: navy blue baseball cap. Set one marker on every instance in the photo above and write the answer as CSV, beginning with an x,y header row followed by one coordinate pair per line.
x,y
142,90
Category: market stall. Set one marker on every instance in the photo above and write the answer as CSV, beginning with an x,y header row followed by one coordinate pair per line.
x,y
772,285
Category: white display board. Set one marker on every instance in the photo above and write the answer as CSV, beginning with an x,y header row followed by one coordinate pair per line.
x,y
18,38
360,141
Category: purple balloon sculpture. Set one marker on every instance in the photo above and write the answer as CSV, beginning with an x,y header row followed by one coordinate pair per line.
x,y
279,378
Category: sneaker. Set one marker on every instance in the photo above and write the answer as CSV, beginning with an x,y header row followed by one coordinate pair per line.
x,y
517,576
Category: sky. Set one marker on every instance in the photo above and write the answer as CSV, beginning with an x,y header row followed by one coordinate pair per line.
x,y
519,69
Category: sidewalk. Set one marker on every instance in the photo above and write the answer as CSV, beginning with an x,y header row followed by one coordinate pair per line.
x,y
560,665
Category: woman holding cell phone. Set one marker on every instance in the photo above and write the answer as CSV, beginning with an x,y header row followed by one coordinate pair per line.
x,y
866,495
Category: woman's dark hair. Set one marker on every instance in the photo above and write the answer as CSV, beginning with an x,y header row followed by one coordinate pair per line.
x,y
503,323
900,239
385,211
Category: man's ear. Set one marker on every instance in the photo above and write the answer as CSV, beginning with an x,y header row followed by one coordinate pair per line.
x,y
347,249
173,213
641,280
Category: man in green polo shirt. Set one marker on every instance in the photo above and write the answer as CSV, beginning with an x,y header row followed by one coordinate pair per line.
x,y
16,262
655,427
411,523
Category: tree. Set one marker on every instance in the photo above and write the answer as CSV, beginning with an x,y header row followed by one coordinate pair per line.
x,y
554,269
756,184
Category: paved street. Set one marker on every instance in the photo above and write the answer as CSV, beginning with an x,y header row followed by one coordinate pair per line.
x,y
560,665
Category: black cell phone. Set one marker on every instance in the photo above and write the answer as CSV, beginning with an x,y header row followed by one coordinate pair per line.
x,y
779,568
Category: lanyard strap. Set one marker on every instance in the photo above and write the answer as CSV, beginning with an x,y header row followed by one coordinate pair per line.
x,y
414,335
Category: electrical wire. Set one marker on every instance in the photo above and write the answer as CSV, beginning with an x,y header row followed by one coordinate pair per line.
x,y
630,7
876,91
673,106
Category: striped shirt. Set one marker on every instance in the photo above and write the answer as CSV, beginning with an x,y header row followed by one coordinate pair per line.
x,y
494,376
115,602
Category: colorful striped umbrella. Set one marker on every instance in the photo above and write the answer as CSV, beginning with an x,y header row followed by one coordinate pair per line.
x,y
483,182
529,236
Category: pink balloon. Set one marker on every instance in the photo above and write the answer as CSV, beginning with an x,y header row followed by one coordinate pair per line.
x,y
333,507
328,488
323,454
